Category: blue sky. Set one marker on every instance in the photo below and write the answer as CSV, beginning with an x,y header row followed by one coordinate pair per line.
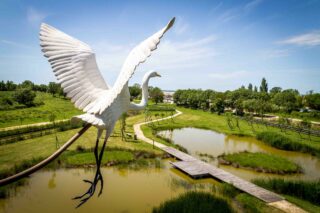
x,y
219,45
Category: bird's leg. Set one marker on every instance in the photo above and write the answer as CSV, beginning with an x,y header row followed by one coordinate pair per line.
x,y
99,163
97,177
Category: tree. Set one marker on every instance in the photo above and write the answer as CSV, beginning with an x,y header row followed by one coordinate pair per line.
x,y
43,88
3,86
25,96
27,84
313,101
275,90
11,86
255,89
217,106
156,95
264,85
53,88
135,91
286,100
250,87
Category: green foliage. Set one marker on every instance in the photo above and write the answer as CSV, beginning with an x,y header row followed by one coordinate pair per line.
x,y
261,162
313,101
53,88
217,106
156,95
62,108
191,202
251,204
287,100
28,132
135,91
264,86
306,205
27,84
25,96
281,141
307,190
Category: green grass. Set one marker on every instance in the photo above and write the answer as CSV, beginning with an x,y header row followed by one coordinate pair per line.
x,y
62,108
190,202
303,204
41,147
260,162
306,190
210,121
281,141
251,204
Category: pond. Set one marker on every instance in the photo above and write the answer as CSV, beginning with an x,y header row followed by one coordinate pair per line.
x,y
125,190
198,141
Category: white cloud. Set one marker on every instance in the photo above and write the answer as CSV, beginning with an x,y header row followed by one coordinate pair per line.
x,y
277,53
228,75
170,56
34,16
307,39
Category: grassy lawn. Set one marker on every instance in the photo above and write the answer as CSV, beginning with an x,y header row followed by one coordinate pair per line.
x,y
38,148
206,120
260,162
60,107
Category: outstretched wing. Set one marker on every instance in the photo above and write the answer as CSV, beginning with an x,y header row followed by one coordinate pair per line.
x,y
74,64
137,56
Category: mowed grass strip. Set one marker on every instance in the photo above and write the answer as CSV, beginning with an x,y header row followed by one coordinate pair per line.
x,y
62,108
260,162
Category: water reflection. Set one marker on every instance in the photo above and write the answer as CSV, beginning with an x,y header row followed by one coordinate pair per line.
x,y
137,191
198,141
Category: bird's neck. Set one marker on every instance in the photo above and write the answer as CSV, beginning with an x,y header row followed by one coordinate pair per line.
x,y
145,95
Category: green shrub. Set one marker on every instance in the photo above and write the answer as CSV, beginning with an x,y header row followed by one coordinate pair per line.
x,y
191,202
307,190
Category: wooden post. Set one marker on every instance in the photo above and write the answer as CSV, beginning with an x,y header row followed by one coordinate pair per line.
x,y
45,161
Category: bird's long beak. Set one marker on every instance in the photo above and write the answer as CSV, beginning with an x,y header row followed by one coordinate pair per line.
x,y
158,75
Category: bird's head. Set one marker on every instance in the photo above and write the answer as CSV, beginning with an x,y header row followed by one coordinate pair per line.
x,y
150,74
154,74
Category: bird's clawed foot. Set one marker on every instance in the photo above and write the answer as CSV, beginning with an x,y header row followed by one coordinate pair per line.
x,y
97,178
87,195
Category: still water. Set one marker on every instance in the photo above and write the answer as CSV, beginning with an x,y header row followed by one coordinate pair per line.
x,y
198,141
125,190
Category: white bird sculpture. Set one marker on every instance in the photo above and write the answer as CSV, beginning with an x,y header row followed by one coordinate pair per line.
x,y
74,64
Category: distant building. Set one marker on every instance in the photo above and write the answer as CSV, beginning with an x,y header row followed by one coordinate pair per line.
x,y
168,96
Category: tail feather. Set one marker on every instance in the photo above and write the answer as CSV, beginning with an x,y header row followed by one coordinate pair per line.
x,y
90,118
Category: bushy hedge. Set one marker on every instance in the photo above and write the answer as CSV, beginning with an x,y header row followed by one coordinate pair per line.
x,y
191,202
28,132
307,190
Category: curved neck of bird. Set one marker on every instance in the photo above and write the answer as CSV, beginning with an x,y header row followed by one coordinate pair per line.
x,y
145,95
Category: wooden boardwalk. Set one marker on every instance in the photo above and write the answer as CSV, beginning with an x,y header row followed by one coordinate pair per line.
x,y
197,168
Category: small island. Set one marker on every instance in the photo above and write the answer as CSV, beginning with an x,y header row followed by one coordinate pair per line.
x,y
260,162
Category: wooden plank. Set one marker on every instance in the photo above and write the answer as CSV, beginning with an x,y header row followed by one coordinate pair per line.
x,y
193,168
197,168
